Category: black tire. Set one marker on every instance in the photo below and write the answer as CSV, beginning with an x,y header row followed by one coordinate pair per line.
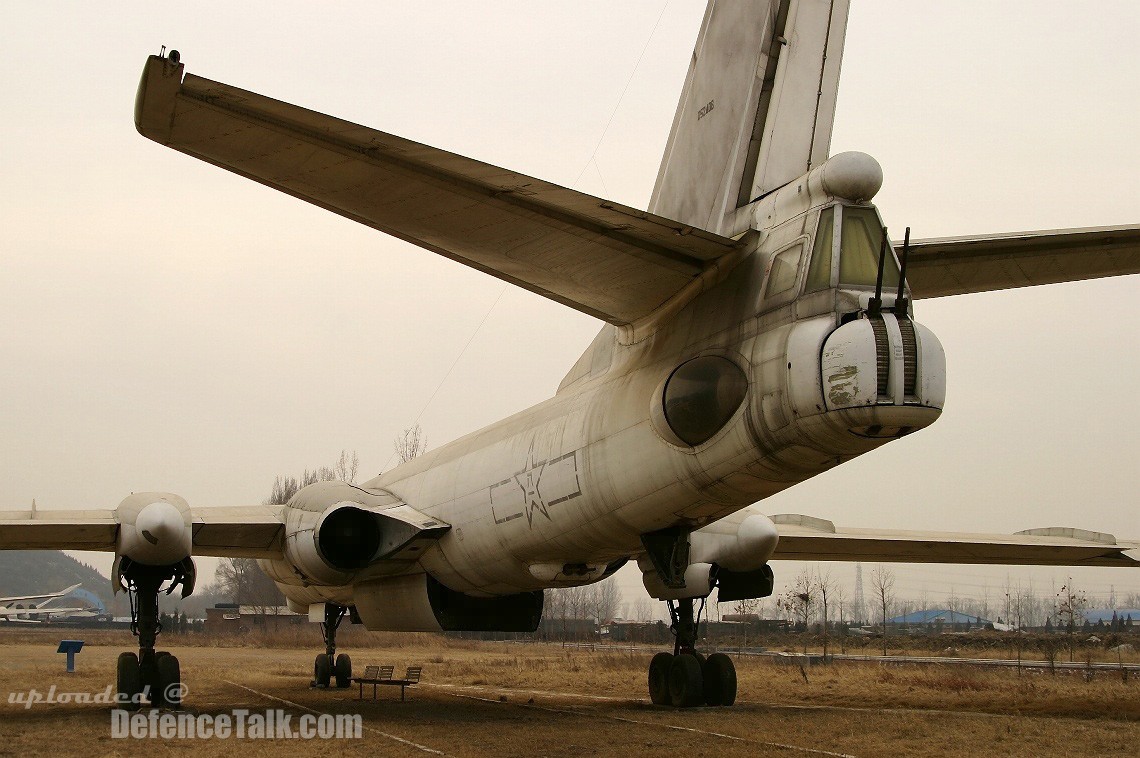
x,y
659,678
686,684
343,671
720,680
322,670
169,690
128,682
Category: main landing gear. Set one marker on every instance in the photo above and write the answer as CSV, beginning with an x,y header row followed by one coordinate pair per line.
x,y
330,667
150,677
685,678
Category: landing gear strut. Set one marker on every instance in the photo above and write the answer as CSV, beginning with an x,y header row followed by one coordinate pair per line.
x,y
329,666
685,678
150,676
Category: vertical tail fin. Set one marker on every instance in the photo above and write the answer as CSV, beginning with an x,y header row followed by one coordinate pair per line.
x,y
756,110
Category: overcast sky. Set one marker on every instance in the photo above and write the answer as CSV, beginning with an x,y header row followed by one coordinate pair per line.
x,y
167,325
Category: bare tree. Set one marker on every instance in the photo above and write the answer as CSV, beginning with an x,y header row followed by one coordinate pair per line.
x,y
346,466
1071,605
839,615
883,582
1018,609
606,598
745,606
242,578
800,600
243,581
410,443
824,584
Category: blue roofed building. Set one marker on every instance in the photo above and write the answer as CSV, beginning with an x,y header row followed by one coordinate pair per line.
x,y
1106,615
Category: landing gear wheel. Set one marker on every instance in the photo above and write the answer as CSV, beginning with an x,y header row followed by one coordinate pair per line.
x,y
719,680
169,684
322,671
659,678
128,682
343,671
686,684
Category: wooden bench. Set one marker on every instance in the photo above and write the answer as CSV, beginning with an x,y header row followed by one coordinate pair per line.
x,y
412,676
374,675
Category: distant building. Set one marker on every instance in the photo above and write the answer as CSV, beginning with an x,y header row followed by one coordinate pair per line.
x,y
945,618
1106,615
231,618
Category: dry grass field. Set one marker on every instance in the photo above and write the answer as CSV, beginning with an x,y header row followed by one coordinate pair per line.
x,y
507,699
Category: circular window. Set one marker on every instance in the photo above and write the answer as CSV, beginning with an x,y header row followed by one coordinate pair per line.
x,y
700,397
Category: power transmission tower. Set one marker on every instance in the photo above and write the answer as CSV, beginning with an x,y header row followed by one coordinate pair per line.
x,y
859,606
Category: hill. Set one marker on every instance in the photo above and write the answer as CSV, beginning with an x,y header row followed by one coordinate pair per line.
x,y
24,572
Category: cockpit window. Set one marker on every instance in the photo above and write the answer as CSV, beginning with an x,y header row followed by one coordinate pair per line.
x,y
860,246
819,275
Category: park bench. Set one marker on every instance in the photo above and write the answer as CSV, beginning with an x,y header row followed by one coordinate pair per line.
x,y
411,676
378,675
374,675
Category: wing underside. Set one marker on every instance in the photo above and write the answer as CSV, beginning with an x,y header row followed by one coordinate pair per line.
x,y
811,539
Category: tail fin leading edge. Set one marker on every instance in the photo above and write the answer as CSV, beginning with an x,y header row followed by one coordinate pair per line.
x,y
756,110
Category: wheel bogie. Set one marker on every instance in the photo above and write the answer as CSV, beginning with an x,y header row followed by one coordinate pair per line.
x,y
322,670
128,682
686,682
342,670
719,675
659,678
168,688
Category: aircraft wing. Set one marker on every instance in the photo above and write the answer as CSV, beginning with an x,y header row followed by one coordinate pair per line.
x,y
959,265
806,538
242,531
610,261
41,596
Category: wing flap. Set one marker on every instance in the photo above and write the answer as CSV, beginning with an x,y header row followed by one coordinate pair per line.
x,y
256,531
960,265
809,539
610,261
58,530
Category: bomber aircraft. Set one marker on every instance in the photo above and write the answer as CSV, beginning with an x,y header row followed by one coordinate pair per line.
x,y
759,329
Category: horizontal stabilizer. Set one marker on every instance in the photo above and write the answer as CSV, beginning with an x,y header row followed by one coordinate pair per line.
x,y
610,261
960,265
805,538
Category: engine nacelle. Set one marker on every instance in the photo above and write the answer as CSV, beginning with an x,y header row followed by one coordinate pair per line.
x,y
334,531
732,553
419,603
155,529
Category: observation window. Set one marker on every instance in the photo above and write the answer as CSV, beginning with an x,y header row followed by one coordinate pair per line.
x,y
701,396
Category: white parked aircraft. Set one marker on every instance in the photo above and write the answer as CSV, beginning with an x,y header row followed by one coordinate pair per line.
x,y
30,608
759,331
